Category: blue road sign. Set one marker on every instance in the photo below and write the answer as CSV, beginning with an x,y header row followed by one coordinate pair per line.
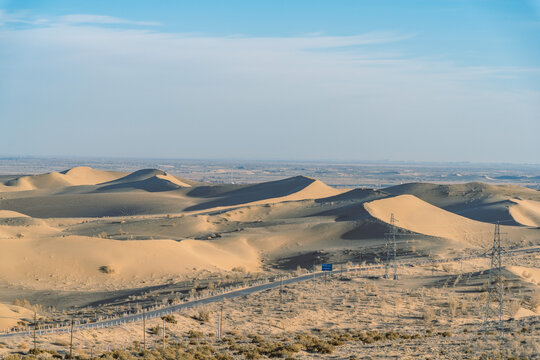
x,y
326,267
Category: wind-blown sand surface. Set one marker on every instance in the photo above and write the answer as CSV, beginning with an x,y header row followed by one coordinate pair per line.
x,y
87,231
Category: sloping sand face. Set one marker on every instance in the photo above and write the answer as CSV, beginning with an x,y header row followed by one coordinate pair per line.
x,y
421,217
526,212
10,315
73,177
477,201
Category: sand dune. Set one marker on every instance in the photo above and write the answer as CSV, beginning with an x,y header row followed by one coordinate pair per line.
x,y
418,216
526,212
72,177
74,262
291,189
476,201
11,214
149,174
11,314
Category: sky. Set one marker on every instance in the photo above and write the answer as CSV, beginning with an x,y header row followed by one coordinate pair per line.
x,y
445,80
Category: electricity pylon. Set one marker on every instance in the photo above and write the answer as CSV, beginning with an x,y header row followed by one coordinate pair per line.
x,y
495,284
391,237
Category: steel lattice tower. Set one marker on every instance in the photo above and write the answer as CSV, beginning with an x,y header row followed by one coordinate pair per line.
x,y
391,237
495,285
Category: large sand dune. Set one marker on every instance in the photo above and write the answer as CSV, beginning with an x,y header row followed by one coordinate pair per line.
x,y
477,201
421,217
292,189
72,177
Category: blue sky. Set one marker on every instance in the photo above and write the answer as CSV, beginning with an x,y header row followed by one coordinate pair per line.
x,y
297,80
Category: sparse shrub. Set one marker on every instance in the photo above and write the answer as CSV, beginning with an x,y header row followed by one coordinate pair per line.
x,y
60,342
155,330
107,269
202,316
252,354
314,344
428,315
170,319
192,334
452,306
240,269
12,357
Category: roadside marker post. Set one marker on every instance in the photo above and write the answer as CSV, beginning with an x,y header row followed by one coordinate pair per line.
x,y
144,329
35,326
71,340
326,268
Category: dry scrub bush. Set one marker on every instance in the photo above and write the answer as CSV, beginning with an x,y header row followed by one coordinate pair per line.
x,y
240,269
193,334
155,330
452,306
107,269
26,304
202,316
428,316
170,319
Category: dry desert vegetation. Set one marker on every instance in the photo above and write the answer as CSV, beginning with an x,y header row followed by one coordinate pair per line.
x,y
87,244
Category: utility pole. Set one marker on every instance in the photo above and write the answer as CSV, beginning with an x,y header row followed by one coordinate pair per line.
x,y
163,333
391,237
71,341
144,328
495,290
220,322
281,289
393,222
35,326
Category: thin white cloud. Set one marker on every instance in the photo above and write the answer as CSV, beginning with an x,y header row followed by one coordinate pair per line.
x,y
101,19
14,18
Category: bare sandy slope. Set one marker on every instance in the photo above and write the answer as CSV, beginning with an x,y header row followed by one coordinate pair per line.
x,y
421,217
526,212
73,177
478,201
11,314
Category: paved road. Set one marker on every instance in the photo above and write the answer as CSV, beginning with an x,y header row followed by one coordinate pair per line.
x,y
242,292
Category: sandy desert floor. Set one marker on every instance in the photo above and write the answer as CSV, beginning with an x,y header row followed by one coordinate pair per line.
x,y
430,312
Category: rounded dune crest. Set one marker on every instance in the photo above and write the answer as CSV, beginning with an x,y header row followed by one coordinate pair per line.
x,y
525,212
73,177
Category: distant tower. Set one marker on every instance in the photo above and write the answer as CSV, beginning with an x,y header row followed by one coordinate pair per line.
x,y
495,285
393,223
391,237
